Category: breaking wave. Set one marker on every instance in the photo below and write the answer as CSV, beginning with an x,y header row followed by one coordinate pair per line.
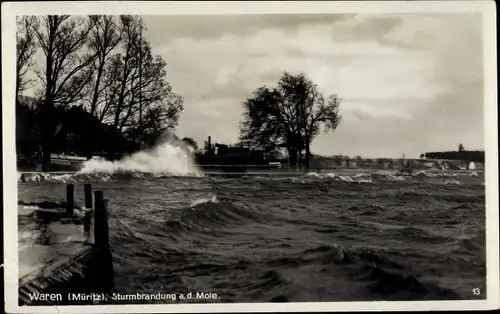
x,y
386,275
317,236
166,158
206,215
358,178
157,165
98,177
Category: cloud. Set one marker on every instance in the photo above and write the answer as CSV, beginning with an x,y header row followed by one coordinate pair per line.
x,y
395,73
162,29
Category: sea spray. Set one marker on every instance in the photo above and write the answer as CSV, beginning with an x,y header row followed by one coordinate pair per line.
x,y
168,157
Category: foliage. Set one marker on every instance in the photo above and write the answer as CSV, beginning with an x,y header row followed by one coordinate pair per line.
x,y
82,133
288,116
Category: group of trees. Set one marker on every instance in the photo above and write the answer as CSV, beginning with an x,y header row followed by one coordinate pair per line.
x,y
94,81
101,65
82,133
288,117
461,154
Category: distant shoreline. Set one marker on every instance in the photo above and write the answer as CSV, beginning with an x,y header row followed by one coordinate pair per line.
x,y
461,155
251,172
67,163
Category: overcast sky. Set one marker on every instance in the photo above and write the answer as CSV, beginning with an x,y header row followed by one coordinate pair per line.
x,y
410,83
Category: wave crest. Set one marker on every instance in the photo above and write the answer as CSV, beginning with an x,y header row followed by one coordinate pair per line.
x,y
208,215
167,157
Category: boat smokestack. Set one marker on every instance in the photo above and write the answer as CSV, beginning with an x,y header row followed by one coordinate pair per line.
x,y
210,145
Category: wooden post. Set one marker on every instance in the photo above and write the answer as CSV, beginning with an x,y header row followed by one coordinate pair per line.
x,y
98,195
70,199
88,195
101,235
98,216
101,231
87,221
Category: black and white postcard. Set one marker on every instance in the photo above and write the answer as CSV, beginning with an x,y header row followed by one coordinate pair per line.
x,y
196,157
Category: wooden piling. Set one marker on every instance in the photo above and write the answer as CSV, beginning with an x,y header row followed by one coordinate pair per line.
x,y
88,195
87,221
98,195
70,199
101,235
101,230
84,267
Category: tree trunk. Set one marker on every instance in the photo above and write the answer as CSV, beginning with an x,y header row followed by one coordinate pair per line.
x,y
47,120
48,128
17,90
300,160
46,155
93,105
292,153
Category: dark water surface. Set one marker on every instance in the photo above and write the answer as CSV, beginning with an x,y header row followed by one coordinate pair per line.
x,y
350,237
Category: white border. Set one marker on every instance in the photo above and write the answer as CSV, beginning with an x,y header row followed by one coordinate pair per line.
x,y
10,10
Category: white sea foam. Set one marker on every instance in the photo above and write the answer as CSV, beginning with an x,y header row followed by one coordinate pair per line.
x,y
168,157
213,199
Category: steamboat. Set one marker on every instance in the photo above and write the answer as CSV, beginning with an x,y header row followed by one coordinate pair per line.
x,y
226,158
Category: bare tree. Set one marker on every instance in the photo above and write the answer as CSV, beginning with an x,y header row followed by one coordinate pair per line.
x,y
109,89
103,38
133,95
125,65
63,41
103,65
137,94
25,50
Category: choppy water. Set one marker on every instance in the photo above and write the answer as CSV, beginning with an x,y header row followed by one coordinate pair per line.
x,y
347,237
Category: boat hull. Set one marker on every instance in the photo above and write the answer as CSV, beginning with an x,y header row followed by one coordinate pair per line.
x,y
57,163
